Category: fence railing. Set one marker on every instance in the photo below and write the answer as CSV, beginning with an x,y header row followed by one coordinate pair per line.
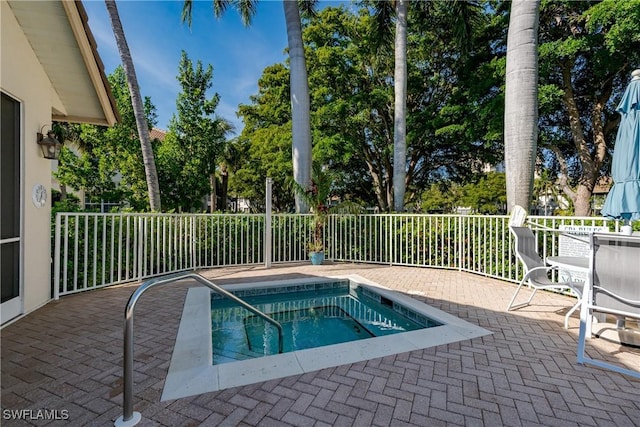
x,y
93,250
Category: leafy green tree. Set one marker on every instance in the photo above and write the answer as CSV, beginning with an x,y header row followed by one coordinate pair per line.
x,y
265,142
195,139
487,196
462,16
440,198
352,99
89,171
587,51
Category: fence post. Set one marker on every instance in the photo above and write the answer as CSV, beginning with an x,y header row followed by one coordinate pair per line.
x,y
392,250
267,224
56,258
140,247
194,243
459,237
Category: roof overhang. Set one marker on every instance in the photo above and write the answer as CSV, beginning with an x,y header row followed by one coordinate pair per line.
x,y
59,34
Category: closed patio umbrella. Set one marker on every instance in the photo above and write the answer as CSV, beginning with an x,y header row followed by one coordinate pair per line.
x,y
623,200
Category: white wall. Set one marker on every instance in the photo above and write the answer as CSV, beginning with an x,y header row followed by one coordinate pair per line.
x,y
23,78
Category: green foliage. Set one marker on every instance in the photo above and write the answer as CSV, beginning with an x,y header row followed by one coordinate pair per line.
x,y
587,51
622,18
440,199
187,158
265,142
70,204
488,195
89,171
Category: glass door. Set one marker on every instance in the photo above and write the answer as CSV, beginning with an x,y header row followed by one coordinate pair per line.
x,y
10,208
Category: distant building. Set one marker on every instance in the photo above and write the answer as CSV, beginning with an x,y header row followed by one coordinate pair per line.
x,y
158,134
600,191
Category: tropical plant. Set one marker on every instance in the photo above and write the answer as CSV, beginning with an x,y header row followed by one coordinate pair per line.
x,y
521,102
316,195
138,107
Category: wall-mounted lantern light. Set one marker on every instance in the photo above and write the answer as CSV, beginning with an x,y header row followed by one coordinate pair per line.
x,y
49,144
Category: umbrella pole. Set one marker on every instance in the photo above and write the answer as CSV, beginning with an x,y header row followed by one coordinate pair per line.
x,y
626,228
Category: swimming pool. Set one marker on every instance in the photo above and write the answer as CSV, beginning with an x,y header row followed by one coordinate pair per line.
x,y
312,314
192,370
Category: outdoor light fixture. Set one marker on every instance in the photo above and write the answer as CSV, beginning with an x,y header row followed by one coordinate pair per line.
x,y
49,144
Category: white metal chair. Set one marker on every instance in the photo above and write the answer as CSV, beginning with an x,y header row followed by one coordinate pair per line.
x,y
537,273
613,288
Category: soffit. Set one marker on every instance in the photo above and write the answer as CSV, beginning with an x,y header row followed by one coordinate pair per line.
x,y
61,39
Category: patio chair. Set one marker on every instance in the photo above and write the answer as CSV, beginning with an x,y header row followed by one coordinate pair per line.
x,y
537,273
613,288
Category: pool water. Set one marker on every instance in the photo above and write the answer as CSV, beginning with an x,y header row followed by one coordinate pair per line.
x,y
312,315
307,328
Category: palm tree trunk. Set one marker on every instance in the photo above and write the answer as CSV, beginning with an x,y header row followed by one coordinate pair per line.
x,y
521,102
300,114
400,110
213,197
138,107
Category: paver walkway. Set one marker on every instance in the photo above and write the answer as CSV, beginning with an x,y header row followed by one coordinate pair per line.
x,y
65,359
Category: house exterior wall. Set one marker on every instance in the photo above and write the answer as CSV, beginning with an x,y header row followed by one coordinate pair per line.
x,y
23,78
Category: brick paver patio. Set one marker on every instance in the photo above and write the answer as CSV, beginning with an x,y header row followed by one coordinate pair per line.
x,y
67,357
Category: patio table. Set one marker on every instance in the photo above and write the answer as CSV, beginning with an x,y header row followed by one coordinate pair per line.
x,y
579,264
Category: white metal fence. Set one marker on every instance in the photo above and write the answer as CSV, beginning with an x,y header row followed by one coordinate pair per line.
x,y
93,250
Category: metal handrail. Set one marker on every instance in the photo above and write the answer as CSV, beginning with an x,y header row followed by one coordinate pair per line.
x,y
129,417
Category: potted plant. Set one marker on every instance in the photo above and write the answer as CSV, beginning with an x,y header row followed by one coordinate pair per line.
x,y
315,197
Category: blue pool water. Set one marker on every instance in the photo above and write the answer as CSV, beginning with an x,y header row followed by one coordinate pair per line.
x,y
311,314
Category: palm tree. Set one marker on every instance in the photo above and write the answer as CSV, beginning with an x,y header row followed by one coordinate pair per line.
x,y
384,13
521,102
138,107
400,110
300,109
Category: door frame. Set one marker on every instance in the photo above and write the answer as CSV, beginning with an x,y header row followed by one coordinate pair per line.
x,y
13,308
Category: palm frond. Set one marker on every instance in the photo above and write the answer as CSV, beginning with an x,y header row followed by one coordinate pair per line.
x,y
220,7
308,8
247,10
187,14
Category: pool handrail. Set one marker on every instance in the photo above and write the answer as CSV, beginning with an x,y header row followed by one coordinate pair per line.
x,y
129,417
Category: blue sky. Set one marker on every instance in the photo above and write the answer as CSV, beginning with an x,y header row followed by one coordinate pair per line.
x,y
156,37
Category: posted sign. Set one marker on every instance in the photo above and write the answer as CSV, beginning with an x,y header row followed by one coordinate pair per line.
x,y
575,247
568,246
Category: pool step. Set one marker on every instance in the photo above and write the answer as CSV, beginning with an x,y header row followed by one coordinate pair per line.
x,y
224,356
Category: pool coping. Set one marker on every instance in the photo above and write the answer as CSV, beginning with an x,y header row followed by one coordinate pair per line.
x,y
191,371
